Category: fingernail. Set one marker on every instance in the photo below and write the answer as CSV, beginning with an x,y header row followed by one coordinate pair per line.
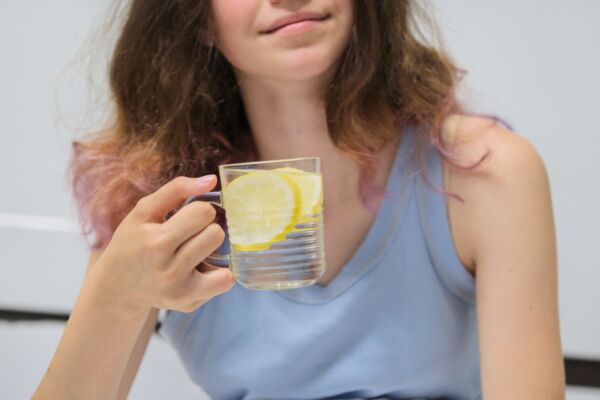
x,y
205,179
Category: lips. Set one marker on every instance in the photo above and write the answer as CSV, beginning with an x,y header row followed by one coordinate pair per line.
x,y
291,19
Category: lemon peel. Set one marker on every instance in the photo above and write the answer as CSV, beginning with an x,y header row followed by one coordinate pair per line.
x,y
262,208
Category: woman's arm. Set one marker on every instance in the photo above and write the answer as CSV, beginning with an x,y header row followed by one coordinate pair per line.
x,y
95,357
149,263
508,218
137,355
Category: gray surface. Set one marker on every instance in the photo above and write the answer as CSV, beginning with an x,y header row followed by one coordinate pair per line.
x,y
38,39
40,270
535,64
27,348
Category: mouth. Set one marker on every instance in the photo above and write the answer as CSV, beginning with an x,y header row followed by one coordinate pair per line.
x,y
293,20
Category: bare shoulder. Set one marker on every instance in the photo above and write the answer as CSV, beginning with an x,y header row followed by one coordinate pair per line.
x,y
513,175
471,136
504,232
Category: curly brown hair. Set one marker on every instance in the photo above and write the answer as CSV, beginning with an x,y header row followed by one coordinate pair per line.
x,y
178,109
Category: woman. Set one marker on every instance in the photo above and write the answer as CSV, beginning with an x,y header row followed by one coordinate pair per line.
x,y
425,295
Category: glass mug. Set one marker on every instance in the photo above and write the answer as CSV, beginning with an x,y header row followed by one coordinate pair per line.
x,y
273,222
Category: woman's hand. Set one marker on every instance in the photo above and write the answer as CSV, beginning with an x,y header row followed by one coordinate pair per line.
x,y
151,262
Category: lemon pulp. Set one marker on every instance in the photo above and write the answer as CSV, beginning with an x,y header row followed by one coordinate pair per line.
x,y
261,209
263,206
311,191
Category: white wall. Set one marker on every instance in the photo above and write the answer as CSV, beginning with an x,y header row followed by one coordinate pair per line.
x,y
534,63
42,259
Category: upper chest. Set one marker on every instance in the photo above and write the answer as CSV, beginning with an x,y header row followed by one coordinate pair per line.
x,y
347,227
459,227
344,231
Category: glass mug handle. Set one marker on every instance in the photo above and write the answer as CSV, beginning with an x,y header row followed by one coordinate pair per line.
x,y
220,257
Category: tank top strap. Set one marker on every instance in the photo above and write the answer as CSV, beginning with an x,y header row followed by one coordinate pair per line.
x,y
436,229
399,187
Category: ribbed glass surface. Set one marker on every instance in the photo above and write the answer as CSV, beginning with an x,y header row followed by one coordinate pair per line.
x,y
296,261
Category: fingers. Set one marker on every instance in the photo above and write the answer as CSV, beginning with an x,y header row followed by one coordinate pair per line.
x,y
188,221
212,283
220,285
200,246
205,267
155,206
206,281
192,306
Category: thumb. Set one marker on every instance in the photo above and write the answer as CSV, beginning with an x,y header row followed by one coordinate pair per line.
x,y
155,206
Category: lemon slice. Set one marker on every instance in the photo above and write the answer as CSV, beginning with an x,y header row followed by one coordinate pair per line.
x,y
261,209
311,189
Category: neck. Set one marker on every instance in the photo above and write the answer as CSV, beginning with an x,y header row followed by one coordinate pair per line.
x,y
288,120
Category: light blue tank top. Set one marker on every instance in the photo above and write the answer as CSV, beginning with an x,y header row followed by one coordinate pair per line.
x,y
397,322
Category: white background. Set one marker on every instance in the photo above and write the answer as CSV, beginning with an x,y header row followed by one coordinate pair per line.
x,y
534,63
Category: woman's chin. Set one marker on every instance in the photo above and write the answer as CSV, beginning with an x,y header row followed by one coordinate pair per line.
x,y
301,69
298,75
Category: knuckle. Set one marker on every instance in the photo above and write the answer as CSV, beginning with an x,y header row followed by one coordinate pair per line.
x,y
204,209
168,278
175,296
216,232
186,258
228,283
157,242
140,205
